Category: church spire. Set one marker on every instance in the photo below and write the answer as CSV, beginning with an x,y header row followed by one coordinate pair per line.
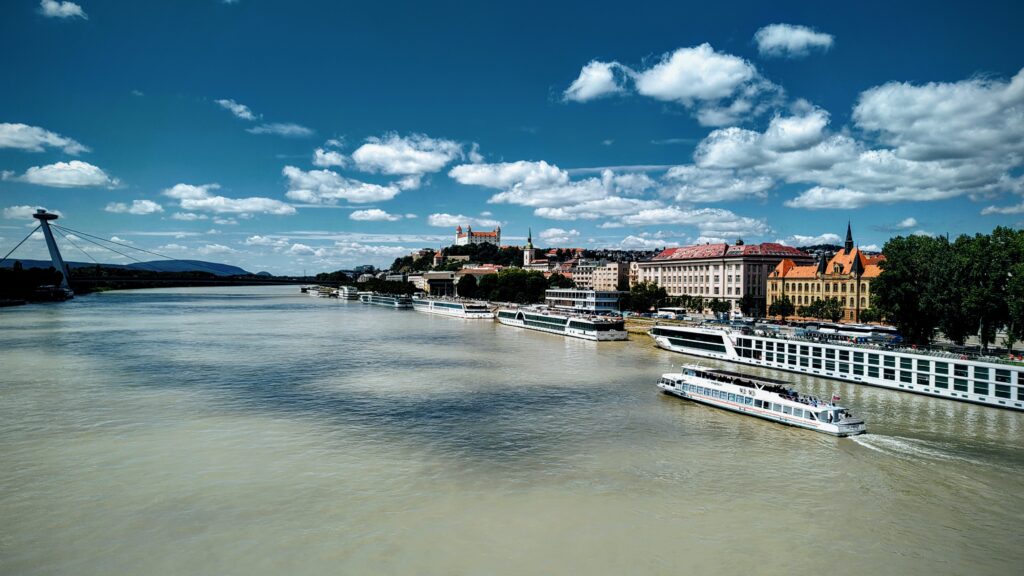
x,y
848,247
529,238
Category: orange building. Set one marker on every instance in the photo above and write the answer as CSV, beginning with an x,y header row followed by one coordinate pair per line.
x,y
846,276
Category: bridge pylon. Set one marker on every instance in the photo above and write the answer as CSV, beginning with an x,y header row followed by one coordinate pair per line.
x,y
44,218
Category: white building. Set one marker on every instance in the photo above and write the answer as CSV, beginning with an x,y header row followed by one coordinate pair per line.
x,y
583,301
470,237
610,276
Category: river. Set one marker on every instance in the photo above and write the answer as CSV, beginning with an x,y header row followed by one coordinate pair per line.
x,y
261,431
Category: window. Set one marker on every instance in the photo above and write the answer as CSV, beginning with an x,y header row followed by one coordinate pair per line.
x,y
858,357
1002,376
873,359
889,374
981,373
960,385
830,365
803,350
942,381
922,379
792,348
890,361
830,354
816,364
941,368
906,376
1002,391
732,397
798,412
923,366
758,404
844,367
844,355
960,370
787,410
803,361
907,363
816,351
776,407
981,388
872,371
858,369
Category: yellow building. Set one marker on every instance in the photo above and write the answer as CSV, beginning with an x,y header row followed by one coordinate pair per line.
x,y
846,276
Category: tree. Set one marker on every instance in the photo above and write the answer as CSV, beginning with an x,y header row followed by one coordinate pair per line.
x,y
782,307
467,286
719,307
748,305
645,296
869,315
557,280
831,308
908,289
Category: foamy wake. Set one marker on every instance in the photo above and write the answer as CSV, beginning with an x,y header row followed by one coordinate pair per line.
x,y
909,448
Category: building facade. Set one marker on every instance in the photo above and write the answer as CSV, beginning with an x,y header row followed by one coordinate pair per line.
x,y
847,276
723,271
611,276
582,301
471,237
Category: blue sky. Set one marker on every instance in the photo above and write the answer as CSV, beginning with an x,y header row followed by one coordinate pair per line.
x,y
319,135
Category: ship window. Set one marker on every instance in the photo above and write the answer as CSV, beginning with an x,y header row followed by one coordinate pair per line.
x,y
811,415
792,359
1020,392
769,356
776,407
844,355
923,365
873,359
981,388
732,397
844,367
922,379
803,361
890,374
906,376
748,400
830,365
960,384
1003,376
757,403
798,412
960,370
803,350
981,373
858,369
858,357
941,368
830,353
787,410
907,363
816,364
890,361
1002,390
941,381
792,348
872,371
816,351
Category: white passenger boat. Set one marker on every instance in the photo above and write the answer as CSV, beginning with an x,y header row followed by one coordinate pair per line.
x,y
761,397
348,293
934,373
456,308
586,327
400,301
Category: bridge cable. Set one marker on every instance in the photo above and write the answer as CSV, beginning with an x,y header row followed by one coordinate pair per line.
x,y
4,259
77,246
190,262
137,261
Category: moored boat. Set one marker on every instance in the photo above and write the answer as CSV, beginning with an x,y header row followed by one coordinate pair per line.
x,y
400,301
761,397
456,308
545,320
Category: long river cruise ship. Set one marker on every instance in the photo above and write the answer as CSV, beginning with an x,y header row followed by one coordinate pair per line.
x,y
586,327
987,381
456,308
388,300
761,397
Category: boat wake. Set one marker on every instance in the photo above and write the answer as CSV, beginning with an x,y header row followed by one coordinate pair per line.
x,y
901,447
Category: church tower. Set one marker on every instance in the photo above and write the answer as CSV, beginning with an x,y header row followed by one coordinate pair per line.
x,y
848,246
528,251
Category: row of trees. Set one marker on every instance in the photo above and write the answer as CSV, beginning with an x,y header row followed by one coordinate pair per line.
x,y
823,309
511,285
971,286
648,296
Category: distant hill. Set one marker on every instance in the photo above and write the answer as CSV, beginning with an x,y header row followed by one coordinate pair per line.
x,y
153,265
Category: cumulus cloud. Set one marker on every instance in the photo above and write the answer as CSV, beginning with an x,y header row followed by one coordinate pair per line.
x,y
272,241
201,199
327,158
374,215
790,40
1016,209
138,207
35,139
25,212
716,222
803,240
55,9
327,187
693,184
215,249
609,206
188,216
444,220
416,154
73,174
286,129
558,236
635,242
239,110
596,80
509,174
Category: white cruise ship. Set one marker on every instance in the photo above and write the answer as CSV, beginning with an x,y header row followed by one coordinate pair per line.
x,y
985,381
586,327
761,397
456,308
348,293
388,300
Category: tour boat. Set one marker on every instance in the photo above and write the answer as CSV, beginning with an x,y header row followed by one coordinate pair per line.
x,y
762,397
980,380
348,293
586,327
400,301
456,308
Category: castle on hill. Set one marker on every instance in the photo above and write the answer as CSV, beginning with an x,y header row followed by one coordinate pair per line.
x,y
471,237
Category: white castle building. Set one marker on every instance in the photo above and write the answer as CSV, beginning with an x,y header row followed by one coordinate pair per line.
x,y
470,237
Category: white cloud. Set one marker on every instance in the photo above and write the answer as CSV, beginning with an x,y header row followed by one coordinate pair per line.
x,y
509,174
411,155
693,184
172,248
73,174
634,242
790,40
35,139
709,221
907,223
327,187
55,9
225,221
444,220
691,74
239,110
138,207
199,198
273,241
796,132
304,250
286,129
802,240
188,216
25,212
558,236
374,215
121,240
1016,209
871,248
596,80
215,249
599,208
328,158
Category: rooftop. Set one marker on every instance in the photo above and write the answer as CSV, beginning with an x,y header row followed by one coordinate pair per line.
x,y
728,251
